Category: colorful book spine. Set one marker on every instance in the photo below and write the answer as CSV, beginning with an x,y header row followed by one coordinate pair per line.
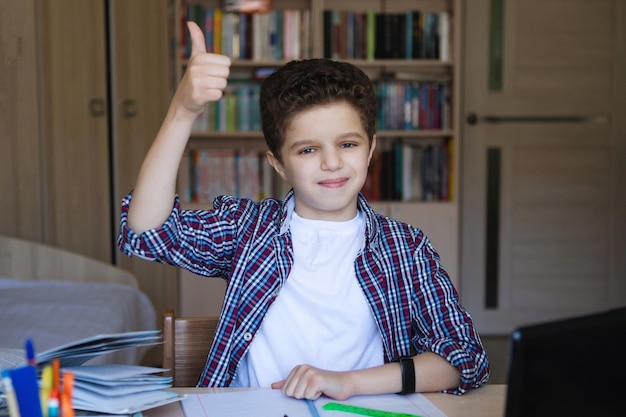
x,y
412,105
240,173
279,34
421,170
382,35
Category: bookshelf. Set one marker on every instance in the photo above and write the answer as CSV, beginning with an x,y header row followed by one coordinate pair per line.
x,y
417,71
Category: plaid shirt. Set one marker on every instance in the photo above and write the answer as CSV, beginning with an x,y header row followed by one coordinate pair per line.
x,y
248,243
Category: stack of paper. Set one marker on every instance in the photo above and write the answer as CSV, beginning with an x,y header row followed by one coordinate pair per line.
x,y
77,353
119,389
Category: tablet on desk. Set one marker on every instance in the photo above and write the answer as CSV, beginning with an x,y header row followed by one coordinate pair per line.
x,y
570,367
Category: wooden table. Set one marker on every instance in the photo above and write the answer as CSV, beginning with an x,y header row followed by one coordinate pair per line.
x,y
487,401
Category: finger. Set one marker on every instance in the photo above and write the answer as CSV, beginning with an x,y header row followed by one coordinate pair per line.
x,y
301,383
219,64
278,384
197,38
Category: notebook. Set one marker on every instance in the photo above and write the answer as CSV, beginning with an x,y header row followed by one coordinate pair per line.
x,y
569,367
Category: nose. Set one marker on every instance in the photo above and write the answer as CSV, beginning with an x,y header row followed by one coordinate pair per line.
x,y
331,160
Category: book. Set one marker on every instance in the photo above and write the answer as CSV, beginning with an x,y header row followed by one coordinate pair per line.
x,y
110,388
119,389
419,170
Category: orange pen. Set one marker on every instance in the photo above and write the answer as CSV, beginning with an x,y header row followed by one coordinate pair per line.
x,y
54,403
56,374
67,410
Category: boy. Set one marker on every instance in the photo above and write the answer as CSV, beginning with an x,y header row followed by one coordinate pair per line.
x,y
324,296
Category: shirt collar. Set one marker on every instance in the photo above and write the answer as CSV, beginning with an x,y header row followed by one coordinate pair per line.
x,y
371,225
289,204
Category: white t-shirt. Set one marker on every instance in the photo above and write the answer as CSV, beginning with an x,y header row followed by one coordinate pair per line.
x,y
321,316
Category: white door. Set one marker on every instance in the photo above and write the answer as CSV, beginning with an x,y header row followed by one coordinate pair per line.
x,y
542,163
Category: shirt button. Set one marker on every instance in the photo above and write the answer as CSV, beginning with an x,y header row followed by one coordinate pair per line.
x,y
227,376
247,336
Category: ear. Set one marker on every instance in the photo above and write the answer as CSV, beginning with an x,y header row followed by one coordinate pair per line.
x,y
372,147
278,167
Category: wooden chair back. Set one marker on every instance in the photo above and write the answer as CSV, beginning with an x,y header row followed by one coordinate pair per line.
x,y
186,344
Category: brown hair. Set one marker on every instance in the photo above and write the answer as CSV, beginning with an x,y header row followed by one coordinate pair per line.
x,y
301,85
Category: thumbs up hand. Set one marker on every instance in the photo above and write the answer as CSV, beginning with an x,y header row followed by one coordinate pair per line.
x,y
205,77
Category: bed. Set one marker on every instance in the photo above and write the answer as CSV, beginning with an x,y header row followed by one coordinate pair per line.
x,y
54,297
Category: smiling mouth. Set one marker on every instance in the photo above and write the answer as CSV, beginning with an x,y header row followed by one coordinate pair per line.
x,y
334,183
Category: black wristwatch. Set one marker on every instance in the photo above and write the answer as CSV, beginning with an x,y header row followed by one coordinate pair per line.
x,y
408,374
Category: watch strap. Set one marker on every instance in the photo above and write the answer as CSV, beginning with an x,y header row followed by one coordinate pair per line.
x,y
407,369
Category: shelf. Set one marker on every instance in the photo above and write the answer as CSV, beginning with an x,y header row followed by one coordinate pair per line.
x,y
412,64
415,133
198,138
363,63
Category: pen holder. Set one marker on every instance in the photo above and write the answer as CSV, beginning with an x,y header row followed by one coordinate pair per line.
x,y
25,386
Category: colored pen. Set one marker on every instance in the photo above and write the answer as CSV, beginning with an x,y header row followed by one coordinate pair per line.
x,y
45,389
56,374
14,411
370,412
53,403
312,409
67,410
30,353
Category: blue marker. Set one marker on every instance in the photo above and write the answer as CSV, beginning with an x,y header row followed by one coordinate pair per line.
x,y
30,353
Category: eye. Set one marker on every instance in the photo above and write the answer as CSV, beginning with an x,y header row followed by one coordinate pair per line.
x,y
305,151
348,145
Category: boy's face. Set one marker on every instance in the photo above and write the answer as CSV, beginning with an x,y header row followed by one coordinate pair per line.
x,y
325,157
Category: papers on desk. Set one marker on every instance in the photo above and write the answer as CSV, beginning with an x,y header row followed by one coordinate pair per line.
x,y
112,388
272,403
120,389
11,358
78,352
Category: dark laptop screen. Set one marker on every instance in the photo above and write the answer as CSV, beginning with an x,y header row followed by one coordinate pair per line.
x,y
570,367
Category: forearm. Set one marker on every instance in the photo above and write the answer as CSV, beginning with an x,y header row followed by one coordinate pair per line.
x,y
156,183
432,373
204,81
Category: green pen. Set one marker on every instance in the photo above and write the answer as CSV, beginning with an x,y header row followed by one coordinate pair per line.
x,y
370,412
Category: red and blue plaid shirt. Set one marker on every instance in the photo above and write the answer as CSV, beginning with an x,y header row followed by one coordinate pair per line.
x,y
248,243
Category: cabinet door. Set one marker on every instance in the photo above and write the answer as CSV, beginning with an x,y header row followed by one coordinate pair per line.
x,y
76,133
540,160
20,159
141,93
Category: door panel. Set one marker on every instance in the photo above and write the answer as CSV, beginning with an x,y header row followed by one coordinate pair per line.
x,y
540,170
141,93
21,202
557,56
76,139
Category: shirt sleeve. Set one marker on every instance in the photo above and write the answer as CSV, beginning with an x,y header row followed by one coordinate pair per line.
x,y
445,327
201,241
